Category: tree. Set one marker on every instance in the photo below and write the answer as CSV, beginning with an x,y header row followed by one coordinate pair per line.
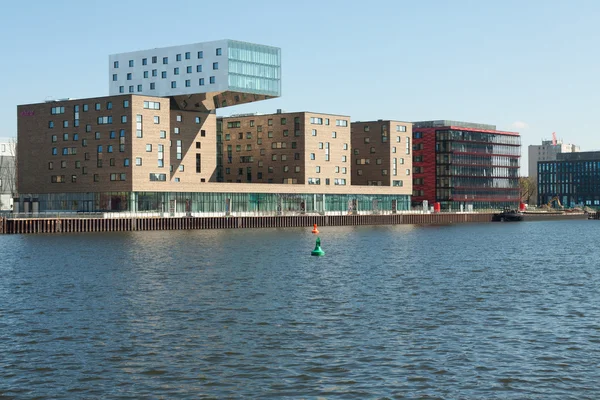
x,y
527,188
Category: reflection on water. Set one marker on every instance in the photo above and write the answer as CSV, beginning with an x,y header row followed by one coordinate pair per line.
x,y
464,311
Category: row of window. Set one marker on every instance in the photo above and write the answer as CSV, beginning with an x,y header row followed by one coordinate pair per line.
x,y
384,172
62,178
187,83
399,128
283,121
146,74
165,60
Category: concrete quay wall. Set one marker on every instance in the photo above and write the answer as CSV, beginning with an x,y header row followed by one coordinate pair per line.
x,y
77,224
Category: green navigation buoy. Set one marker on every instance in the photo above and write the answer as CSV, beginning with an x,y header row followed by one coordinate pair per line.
x,y
318,251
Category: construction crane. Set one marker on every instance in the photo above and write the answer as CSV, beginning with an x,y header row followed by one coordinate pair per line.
x,y
554,139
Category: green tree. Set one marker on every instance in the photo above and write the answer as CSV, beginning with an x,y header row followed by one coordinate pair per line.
x,y
527,188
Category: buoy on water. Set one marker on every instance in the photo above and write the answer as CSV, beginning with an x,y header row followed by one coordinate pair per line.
x,y
318,251
315,230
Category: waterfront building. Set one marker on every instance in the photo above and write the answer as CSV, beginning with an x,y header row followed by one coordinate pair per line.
x,y
7,173
381,153
290,148
156,147
573,178
464,165
547,151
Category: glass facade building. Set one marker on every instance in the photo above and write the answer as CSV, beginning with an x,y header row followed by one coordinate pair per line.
x,y
574,178
254,68
463,166
199,202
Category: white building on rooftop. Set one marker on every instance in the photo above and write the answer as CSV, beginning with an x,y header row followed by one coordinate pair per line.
x,y
210,74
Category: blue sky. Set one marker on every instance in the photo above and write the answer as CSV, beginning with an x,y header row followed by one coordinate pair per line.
x,y
529,66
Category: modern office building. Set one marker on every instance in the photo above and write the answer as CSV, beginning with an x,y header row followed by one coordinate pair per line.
x,y
573,178
381,153
8,173
201,76
289,148
547,151
461,164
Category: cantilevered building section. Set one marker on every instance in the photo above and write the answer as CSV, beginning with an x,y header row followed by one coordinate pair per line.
x,y
201,76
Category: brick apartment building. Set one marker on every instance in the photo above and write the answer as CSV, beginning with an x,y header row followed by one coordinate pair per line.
x,y
289,148
381,153
153,144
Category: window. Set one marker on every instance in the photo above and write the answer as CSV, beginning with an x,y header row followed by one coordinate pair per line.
x,y
130,63
156,119
131,89
187,55
408,172
97,136
148,147
188,83
50,165
109,105
158,177
145,74
121,89
163,134
173,84
115,77
124,119
318,169
197,120
283,121
345,146
139,88
63,164
65,136
152,85
152,105
188,69
341,122
116,64
181,168
201,82
165,60
219,51
178,57
334,134
366,128
400,128
212,79
344,158
65,124
154,59
109,148
367,140
397,183
138,161
312,156
163,74
154,72
144,61
176,71
418,135
200,54
129,76
54,139
176,130
125,103
397,139
215,65
314,132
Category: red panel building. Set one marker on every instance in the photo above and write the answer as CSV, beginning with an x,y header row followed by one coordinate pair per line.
x,y
461,164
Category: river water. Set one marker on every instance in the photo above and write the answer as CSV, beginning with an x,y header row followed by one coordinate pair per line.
x,y
506,310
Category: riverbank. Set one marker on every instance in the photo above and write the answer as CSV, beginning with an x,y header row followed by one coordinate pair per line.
x,y
118,223
154,223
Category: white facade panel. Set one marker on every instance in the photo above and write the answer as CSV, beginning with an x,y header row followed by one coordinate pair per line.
x,y
218,66
173,72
